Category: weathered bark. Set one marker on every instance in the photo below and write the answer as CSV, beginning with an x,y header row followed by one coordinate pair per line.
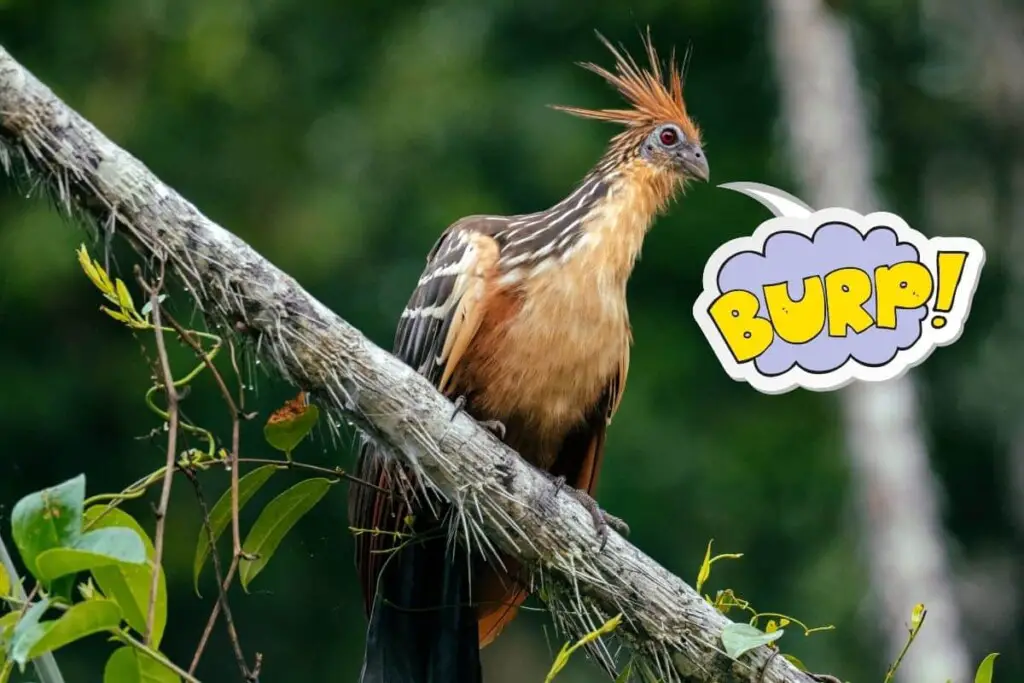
x,y
504,501
896,492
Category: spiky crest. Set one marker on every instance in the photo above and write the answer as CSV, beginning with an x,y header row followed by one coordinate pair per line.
x,y
654,101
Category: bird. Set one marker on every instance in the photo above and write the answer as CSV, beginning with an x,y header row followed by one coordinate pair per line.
x,y
522,322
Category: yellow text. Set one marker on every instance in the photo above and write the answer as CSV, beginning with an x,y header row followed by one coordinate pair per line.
x,y
832,305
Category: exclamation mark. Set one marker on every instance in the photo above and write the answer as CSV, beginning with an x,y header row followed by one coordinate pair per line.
x,y
950,267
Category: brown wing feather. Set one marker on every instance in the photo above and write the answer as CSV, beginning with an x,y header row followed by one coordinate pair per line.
x,y
499,593
590,467
436,328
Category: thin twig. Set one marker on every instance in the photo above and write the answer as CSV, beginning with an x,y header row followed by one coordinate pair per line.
x,y
254,676
172,447
187,337
27,602
214,613
45,664
222,587
236,533
236,536
906,648
335,472
238,374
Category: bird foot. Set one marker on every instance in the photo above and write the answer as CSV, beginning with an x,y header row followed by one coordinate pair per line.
x,y
460,403
602,520
496,427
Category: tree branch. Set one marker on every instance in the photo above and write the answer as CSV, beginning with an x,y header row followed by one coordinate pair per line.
x,y
164,372
505,503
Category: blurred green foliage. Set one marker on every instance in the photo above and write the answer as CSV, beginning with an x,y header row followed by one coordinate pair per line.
x,y
339,139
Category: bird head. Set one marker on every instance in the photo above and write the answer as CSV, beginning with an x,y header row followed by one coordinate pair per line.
x,y
659,132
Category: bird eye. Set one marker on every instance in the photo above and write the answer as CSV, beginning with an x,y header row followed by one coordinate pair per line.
x,y
668,137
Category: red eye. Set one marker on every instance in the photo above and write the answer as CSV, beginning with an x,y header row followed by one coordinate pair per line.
x,y
668,137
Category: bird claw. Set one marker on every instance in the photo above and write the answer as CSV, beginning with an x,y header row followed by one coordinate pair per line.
x,y
559,483
460,403
602,520
496,427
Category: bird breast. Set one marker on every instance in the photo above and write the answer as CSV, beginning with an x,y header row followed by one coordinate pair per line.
x,y
549,345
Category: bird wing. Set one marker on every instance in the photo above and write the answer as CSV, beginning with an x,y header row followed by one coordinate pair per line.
x,y
436,327
580,461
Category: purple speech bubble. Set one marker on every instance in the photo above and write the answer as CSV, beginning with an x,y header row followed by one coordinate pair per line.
x,y
790,257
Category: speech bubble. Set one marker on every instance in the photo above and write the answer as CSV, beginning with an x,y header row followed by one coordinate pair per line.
x,y
818,299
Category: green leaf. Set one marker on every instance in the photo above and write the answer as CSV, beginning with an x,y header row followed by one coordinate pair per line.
x,y
626,672
147,307
740,638
121,543
124,297
128,665
58,562
917,616
705,569
26,632
98,548
276,521
985,669
7,623
83,619
287,427
129,584
562,658
5,582
220,515
51,518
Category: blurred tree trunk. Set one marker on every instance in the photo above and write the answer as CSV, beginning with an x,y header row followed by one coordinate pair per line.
x,y
1014,304
981,50
897,495
978,53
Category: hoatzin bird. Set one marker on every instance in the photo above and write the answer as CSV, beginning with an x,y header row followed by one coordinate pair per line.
x,y
522,320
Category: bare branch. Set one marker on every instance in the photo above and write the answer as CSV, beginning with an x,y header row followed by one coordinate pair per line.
x,y
222,588
504,502
335,472
172,448
211,621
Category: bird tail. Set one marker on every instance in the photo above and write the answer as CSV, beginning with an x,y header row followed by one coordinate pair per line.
x,y
423,626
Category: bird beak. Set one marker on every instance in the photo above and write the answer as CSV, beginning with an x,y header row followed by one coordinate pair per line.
x,y
694,163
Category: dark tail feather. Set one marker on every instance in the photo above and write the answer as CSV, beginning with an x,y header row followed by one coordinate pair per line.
x,y
423,628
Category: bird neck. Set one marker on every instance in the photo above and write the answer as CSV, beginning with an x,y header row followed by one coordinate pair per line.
x,y
600,226
618,222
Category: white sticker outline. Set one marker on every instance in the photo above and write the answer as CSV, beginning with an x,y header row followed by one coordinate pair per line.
x,y
793,215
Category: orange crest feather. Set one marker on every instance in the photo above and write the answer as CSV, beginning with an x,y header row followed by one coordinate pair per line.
x,y
654,101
